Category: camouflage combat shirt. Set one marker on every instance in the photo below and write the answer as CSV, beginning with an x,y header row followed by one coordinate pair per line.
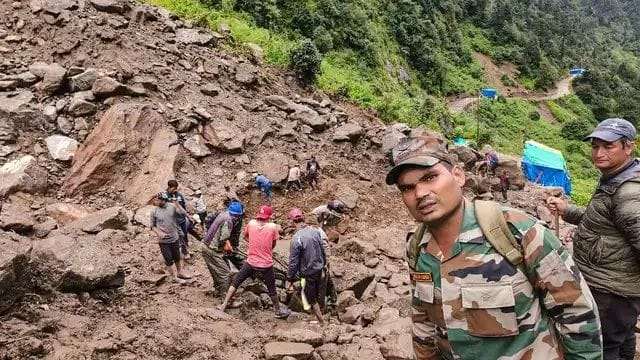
x,y
476,305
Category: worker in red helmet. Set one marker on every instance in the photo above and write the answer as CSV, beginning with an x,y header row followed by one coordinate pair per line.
x,y
262,235
307,259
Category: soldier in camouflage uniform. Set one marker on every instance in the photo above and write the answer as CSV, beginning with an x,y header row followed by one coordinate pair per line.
x,y
469,301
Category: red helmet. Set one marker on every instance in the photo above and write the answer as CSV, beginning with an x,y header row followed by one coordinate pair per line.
x,y
265,212
295,214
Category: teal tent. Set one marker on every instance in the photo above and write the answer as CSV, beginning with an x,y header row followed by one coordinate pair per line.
x,y
545,166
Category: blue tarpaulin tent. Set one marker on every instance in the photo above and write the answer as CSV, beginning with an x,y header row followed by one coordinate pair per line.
x,y
545,166
490,93
577,72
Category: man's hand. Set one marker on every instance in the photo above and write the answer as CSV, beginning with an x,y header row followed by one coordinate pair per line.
x,y
227,247
557,205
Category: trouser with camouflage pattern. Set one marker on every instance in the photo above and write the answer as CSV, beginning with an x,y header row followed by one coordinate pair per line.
x,y
219,269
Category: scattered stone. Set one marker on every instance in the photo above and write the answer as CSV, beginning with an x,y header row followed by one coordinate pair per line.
x,y
352,314
348,132
308,335
371,262
210,89
111,218
193,36
64,125
202,114
246,74
52,76
398,279
23,174
106,86
147,81
346,299
382,293
61,147
83,81
196,146
15,216
310,117
398,347
278,350
50,112
15,103
348,196
110,6
80,107
6,85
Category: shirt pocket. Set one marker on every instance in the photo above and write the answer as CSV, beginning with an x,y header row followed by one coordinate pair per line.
x,y
490,309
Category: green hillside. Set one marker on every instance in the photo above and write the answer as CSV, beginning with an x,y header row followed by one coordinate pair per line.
x,y
403,57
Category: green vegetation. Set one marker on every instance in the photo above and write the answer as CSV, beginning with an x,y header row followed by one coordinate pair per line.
x,y
403,57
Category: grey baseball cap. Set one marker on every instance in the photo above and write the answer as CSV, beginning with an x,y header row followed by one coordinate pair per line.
x,y
612,130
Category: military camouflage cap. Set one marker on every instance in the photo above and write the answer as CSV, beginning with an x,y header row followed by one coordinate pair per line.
x,y
426,151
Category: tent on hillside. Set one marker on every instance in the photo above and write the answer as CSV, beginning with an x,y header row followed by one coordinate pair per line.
x,y
545,166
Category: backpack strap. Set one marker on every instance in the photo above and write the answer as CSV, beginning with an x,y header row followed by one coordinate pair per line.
x,y
413,249
496,230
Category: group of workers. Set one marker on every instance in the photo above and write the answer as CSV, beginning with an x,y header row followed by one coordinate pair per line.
x,y
308,260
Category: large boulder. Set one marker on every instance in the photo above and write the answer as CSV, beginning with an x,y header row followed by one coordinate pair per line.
x,y
393,135
61,147
390,240
466,155
23,174
130,145
273,165
65,213
52,76
143,215
224,136
348,132
353,276
80,264
111,218
355,250
310,117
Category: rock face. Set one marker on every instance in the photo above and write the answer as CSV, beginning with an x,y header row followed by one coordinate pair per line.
x,y
125,132
224,136
278,350
61,147
82,264
111,218
23,174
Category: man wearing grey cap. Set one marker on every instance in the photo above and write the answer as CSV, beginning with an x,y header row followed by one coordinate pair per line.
x,y
471,299
607,242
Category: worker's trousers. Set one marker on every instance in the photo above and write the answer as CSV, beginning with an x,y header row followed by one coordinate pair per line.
x,y
218,268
